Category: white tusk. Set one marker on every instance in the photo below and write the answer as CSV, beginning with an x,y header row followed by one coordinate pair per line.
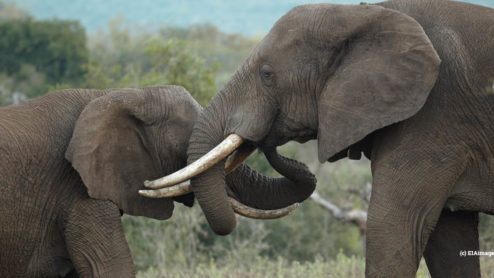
x,y
219,152
168,192
232,163
250,212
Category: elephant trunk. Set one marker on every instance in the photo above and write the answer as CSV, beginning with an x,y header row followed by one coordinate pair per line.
x,y
212,188
209,187
256,190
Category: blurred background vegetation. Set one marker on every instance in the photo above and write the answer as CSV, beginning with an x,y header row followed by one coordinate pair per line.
x,y
41,56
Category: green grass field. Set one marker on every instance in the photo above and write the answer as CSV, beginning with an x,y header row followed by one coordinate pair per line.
x,y
342,266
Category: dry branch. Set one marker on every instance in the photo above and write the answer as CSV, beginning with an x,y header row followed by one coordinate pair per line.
x,y
356,216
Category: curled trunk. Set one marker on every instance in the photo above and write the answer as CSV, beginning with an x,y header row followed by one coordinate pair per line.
x,y
259,191
246,185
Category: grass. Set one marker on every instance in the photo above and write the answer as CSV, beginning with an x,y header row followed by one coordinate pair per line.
x,y
341,266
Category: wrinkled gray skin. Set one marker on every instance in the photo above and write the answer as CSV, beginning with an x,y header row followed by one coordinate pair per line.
x,y
73,161
408,83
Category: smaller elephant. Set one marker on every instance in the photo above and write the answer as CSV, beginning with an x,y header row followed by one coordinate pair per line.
x,y
73,161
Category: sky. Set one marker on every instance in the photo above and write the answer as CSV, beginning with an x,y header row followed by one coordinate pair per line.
x,y
248,17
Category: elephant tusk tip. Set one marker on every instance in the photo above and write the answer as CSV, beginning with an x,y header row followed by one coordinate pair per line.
x,y
168,192
145,193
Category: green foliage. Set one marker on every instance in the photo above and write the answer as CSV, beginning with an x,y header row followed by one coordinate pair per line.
x,y
55,48
486,237
27,81
172,62
199,58
340,266
229,50
121,60
165,243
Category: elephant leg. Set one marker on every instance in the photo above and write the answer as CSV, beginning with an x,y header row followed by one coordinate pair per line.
x,y
454,232
95,240
410,189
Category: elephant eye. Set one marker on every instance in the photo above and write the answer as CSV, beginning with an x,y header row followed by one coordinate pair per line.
x,y
267,74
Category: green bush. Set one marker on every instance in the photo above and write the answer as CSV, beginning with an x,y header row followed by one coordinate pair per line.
x,y
121,60
55,48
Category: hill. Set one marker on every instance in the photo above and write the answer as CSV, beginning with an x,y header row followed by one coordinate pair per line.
x,y
251,17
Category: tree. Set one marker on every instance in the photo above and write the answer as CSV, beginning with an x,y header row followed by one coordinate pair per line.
x,y
56,48
38,54
120,59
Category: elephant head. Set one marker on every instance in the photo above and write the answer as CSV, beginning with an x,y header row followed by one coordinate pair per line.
x,y
328,72
128,135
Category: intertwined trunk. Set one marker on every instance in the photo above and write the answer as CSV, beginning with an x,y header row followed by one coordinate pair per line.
x,y
244,184
259,191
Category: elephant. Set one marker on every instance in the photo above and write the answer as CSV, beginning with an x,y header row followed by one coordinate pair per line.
x,y
72,164
406,83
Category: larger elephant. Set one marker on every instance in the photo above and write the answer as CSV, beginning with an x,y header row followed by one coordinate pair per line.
x,y
72,163
409,84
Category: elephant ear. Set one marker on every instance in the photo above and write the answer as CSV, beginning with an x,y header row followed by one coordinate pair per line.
x,y
111,149
387,67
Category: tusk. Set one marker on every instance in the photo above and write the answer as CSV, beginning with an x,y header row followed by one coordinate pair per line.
x,y
168,192
228,145
232,163
184,187
247,211
239,156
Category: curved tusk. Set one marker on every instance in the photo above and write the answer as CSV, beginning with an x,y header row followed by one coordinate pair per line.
x,y
232,163
247,211
168,192
228,145
238,157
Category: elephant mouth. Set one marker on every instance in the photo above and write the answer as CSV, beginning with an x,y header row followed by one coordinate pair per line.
x,y
302,137
236,150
